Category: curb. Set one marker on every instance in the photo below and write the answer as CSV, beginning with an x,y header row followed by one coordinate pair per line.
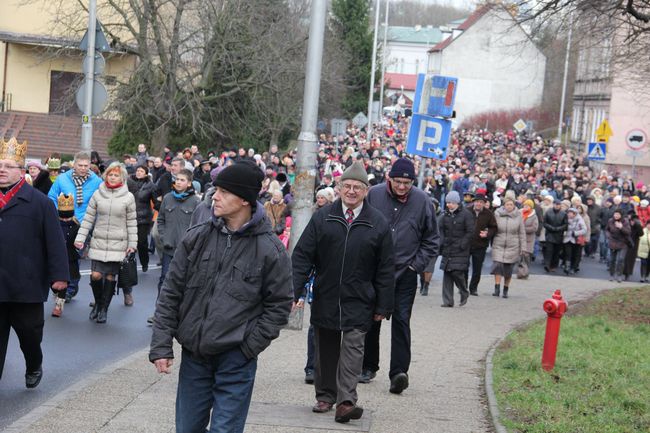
x,y
491,397
42,410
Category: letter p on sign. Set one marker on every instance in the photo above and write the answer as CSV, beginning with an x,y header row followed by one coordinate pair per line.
x,y
428,137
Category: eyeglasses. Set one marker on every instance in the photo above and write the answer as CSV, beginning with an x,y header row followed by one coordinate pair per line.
x,y
353,188
8,167
404,183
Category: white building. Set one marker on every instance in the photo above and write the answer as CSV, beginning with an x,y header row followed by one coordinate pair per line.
x,y
497,64
406,56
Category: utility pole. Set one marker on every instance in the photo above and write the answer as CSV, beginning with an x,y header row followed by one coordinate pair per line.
x,y
308,140
87,118
564,81
372,70
383,59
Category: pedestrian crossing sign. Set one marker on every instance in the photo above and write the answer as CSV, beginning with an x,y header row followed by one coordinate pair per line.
x,y
597,151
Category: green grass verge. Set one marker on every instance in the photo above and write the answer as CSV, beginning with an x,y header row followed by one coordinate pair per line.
x,y
601,380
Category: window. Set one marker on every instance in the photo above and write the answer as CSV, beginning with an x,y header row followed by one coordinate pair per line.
x,y
63,86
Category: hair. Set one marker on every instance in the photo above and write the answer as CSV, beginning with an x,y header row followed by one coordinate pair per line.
x,y
144,167
82,156
177,159
187,173
273,186
116,165
328,193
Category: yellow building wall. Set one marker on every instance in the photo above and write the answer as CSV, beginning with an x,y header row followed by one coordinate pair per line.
x,y
29,70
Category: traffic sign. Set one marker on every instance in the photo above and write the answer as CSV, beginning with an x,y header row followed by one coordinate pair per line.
x,y
428,137
636,139
360,120
604,131
99,64
339,126
520,125
101,44
100,97
442,96
597,151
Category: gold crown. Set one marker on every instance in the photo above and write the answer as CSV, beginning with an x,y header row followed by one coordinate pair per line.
x,y
13,150
65,202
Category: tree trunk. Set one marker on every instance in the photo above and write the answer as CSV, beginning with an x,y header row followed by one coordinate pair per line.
x,y
159,139
275,135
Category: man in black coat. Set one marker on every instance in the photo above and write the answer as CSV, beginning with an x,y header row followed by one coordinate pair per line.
x,y
555,223
349,247
33,256
411,217
485,228
456,227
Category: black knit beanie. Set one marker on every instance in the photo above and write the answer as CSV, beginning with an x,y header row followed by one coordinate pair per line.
x,y
244,179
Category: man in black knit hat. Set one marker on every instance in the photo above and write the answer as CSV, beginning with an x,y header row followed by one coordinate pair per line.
x,y
227,294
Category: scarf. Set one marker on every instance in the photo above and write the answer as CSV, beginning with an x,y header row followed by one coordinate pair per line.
x,y
402,199
116,186
182,196
5,198
79,183
526,213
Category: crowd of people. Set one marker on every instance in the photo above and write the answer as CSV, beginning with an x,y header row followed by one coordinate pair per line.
x,y
383,221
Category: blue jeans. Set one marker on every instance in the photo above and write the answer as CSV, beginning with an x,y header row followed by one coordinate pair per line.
x,y
223,384
310,350
165,260
604,246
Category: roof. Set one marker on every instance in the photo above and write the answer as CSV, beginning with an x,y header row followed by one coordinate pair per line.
x,y
469,22
411,35
46,41
396,81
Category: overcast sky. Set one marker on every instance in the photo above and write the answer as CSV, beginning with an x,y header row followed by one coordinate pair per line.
x,y
467,4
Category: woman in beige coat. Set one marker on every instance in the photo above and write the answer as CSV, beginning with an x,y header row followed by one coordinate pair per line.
x,y
112,213
508,244
531,224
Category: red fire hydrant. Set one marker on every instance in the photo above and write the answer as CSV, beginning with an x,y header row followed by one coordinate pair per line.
x,y
555,309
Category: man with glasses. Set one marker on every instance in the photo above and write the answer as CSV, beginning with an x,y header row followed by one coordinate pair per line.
x,y
348,246
82,183
33,256
414,230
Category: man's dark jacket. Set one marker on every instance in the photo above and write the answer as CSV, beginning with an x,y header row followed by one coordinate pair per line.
x,y
32,251
456,233
412,224
223,290
484,220
555,223
354,266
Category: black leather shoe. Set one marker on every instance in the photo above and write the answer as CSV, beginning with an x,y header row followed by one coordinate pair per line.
x,y
34,378
309,377
366,376
473,293
447,306
463,300
399,383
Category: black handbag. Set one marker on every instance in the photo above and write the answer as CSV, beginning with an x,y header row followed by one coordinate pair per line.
x,y
128,276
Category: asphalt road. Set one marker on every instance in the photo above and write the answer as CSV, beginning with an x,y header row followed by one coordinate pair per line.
x,y
74,347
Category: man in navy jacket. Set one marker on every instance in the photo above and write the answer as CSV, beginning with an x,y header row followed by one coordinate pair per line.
x,y
414,230
33,257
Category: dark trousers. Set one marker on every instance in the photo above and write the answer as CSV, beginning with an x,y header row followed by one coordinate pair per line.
x,y
617,261
477,257
311,356
165,260
592,245
339,357
400,350
223,385
572,256
552,254
449,279
143,245
27,320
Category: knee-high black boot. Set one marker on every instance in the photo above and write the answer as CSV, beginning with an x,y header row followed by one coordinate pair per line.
x,y
98,287
109,291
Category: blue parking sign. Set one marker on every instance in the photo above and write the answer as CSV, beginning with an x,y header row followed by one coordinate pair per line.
x,y
428,137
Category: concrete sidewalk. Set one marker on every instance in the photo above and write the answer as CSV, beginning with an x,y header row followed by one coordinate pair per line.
x,y
446,376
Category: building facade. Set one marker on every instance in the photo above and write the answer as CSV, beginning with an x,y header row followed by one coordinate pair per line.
x,y
497,65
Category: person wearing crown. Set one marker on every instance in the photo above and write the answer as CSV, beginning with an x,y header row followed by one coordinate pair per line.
x,y
82,184
69,228
33,257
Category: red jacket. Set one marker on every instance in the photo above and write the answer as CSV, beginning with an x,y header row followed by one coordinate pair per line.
x,y
644,214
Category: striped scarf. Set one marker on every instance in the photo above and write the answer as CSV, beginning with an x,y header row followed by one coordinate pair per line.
x,y
79,183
